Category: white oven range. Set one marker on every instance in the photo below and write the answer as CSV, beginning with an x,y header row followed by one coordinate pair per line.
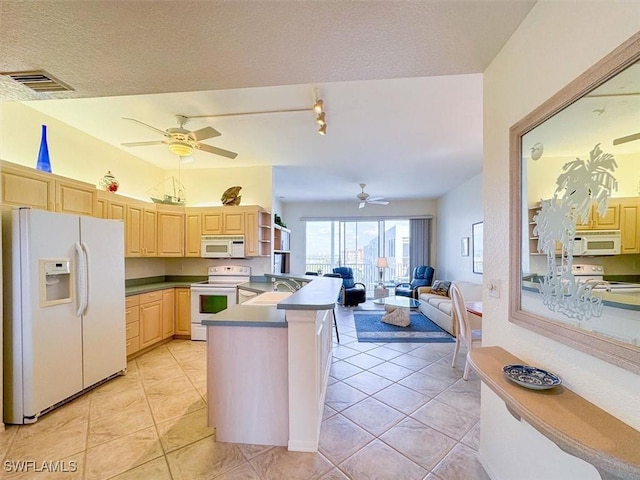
x,y
214,295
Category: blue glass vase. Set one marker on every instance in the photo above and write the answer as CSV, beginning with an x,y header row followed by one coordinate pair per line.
x,y
44,163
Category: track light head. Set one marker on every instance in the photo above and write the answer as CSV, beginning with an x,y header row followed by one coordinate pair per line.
x,y
320,119
323,129
318,107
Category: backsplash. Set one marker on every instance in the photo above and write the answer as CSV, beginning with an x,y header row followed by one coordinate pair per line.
x,y
160,267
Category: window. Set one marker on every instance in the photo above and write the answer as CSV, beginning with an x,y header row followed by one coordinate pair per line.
x,y
358,244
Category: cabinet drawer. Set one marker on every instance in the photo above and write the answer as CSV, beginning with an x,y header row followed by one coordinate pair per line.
x,y
133,345
132,314
132,301
150,297
133,330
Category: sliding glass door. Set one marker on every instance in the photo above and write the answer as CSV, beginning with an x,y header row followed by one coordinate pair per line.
x,y
359,244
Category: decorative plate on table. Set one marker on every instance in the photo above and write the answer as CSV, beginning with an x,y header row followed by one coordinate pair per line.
x,y
531,377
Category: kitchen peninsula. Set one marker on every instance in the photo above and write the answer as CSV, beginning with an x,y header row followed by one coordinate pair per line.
x,y
268,363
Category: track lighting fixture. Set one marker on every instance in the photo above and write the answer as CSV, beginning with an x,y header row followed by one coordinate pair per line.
x,y
323,129
318,107
320,119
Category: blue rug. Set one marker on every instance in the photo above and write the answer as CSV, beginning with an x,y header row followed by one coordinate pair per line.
x,y
370,329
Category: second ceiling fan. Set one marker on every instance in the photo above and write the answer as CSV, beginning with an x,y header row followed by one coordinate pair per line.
x,y
365,198
181,141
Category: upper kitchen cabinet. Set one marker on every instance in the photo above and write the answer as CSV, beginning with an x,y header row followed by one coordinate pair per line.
x,y
24,186
223,221
630,225
141,229
111,206
258,232
192,232
609,221
170,231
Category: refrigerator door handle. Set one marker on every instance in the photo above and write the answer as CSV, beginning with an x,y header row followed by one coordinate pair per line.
x,y
85,250
82,279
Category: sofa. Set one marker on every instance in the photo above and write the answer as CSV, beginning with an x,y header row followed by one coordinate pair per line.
x,y
437,306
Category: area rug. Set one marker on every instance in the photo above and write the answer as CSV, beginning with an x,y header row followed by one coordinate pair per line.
x,y
370,329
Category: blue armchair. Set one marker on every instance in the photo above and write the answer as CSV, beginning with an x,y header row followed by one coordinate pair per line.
x,y
353,293
422,277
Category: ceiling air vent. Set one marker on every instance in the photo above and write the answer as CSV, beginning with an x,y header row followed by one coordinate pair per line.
x,y
39,81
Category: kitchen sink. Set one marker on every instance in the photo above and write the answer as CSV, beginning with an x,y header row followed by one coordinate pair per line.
x,y
268,298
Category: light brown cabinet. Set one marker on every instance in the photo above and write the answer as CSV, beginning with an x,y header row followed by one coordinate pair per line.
x,y
609,221
223,221
168,313
140,230
24,186
132,310
150,318
193,229
258,232
183,312
111,206
170,233
630,225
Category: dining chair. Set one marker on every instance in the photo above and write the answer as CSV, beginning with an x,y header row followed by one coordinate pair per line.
x,y
471,338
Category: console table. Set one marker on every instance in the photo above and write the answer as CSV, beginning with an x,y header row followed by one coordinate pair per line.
x,y
577,426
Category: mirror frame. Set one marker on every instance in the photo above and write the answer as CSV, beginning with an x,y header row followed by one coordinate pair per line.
x,y
618,353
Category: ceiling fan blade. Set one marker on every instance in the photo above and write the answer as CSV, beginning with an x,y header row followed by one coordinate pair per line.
x,y
378,202
628,138
362,204
204,133
142,144
157,130
215,150
375,199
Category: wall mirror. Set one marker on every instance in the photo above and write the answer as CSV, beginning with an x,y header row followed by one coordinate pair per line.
x,y
575,212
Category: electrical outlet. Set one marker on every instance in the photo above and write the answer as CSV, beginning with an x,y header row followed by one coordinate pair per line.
x,y
493,286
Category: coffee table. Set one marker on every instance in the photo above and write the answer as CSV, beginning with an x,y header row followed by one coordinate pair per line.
x,y
398,301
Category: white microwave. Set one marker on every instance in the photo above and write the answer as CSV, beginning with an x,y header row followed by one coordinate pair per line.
x,y
222,246
597,242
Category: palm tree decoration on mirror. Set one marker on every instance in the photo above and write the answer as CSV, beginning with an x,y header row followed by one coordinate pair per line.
x,y
581,185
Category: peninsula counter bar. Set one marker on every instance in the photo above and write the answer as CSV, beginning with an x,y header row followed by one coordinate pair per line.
x,y
268,367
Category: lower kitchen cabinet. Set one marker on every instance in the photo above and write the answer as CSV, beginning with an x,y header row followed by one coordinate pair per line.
x,y
168,314
150,318
183,311
132,311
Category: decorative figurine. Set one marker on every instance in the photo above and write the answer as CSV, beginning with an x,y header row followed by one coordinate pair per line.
x,y
231,197
109,182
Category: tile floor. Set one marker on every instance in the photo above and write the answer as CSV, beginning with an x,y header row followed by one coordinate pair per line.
x,y
393,411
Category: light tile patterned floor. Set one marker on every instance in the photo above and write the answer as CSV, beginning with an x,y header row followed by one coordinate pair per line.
x,y
393,411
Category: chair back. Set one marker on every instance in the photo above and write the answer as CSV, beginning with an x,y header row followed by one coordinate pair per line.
x,y
347,276
422,276
460,313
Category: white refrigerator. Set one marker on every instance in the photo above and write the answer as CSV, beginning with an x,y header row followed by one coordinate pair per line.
x,y
64,308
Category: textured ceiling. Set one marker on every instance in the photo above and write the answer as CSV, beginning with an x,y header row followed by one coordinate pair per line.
x,y
394,75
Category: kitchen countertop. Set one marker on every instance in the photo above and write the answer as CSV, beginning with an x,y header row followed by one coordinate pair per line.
x,y
247,316
137,286
629,301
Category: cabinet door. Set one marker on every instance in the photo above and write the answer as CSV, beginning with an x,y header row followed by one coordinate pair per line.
x,y
133,231
168,313
251,246
101,208
610,220
192,235
183,311
32,190
630,226
150,323
234,223
212,223
116,210
170,234
149,233
75,198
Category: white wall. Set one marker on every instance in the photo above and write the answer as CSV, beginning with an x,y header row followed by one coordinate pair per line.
x,y
292,212
458,210
553,45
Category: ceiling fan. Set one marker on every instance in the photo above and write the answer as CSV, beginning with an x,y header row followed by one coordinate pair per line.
x,y
182,142
628,138
365,198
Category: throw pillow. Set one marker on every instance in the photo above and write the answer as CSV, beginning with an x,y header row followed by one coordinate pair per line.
x,y
441,287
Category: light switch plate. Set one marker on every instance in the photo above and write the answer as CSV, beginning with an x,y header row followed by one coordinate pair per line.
x,y
493,286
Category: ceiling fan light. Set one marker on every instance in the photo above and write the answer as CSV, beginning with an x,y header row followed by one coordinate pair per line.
x,y
182,149
320,119
186,159
323,129
318,107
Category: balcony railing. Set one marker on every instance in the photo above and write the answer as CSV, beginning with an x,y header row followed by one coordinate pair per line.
x,y
366,273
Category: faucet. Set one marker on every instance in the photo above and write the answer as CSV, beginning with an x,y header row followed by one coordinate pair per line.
x,y
277,283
